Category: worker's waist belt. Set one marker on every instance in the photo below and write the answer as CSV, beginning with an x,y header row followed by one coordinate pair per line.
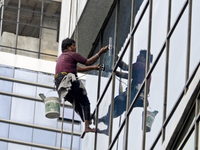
x,y
63,73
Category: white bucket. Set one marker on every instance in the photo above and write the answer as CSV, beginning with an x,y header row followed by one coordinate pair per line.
x,y
149,119
52,107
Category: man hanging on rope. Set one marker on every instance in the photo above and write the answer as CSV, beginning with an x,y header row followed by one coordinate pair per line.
x,y
67,84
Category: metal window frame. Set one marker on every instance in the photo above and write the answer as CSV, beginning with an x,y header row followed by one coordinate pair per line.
x,y
21,23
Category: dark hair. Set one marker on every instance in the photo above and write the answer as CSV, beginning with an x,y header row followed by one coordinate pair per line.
x,y
67,42
143,52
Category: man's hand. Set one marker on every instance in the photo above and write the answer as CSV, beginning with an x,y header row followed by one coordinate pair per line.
x,y
96,67
103,49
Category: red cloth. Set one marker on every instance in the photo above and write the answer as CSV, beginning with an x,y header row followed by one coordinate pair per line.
x,y
67,62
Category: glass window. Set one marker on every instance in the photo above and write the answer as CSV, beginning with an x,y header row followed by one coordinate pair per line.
x,y
26,75
6,71
46,79
20,133
12,146
177,61
44,137
5,105
195,38
4,130
159,28
3,145
22,110
24,89
66,141
7,86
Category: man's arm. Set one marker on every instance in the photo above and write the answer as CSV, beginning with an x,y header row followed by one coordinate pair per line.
x,y
122,75
87,68
94,58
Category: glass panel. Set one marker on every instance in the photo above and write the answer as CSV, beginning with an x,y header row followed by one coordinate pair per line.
x,y
44,137
23,89
159,28
6,71
66,140
40,118
103,118
12,146
108,56
68,113
5,105
4,130
195,38
67,126
175,10
20,133
35,148
46,79
177,59
186,127
120,142
11,11
8,37
7,86
3,145
26,75
22,110
190,142
155,98
76,143
124,22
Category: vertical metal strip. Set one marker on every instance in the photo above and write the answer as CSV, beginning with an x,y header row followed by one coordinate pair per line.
x,y
62,124
98,94
166,70
146,71
70,19
17,28
113,75
1,24
41,23
188,41
72,132
129,73
196,139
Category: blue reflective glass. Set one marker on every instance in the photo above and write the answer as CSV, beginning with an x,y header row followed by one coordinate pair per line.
x,y
44,137
5,105
20,133
6,71
4,130
3,145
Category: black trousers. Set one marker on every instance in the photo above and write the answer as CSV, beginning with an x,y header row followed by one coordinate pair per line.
x,y
76,94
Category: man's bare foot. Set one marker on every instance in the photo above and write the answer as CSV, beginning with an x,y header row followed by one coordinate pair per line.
x,y
90,130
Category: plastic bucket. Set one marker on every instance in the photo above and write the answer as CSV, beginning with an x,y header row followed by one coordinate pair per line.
x,y
150,119
52,107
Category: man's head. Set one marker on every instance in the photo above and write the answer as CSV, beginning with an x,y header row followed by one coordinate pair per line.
x,y
68,44
142,56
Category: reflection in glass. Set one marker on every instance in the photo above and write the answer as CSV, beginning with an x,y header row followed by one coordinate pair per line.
x,y
20,133
155,98
195,38
177,61
109,32
159,28
44,137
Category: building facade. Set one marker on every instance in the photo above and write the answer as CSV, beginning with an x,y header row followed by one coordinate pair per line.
x,y
149,102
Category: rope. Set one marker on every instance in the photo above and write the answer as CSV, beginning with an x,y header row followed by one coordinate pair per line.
x,y
62,125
